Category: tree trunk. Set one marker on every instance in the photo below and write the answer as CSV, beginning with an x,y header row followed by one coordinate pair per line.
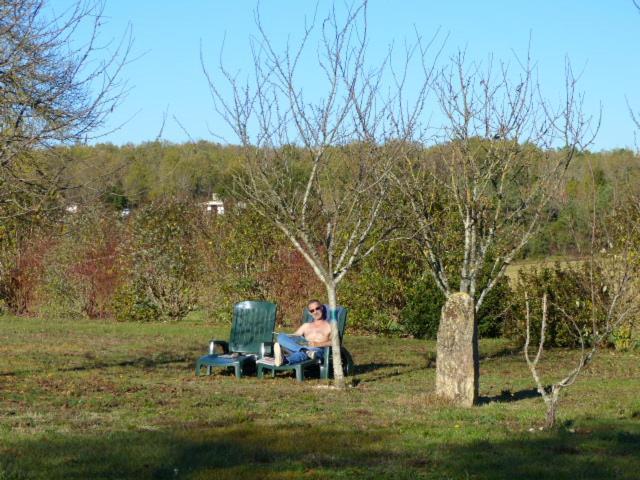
x,y
552,407
550,418
338,374
457,364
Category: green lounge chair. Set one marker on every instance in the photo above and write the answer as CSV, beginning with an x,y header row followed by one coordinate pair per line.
x,y
326,365
251,331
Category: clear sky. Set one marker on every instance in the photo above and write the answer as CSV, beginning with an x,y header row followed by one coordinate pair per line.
x,y
601,37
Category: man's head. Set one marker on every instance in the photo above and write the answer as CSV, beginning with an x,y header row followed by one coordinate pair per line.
x,y
316,309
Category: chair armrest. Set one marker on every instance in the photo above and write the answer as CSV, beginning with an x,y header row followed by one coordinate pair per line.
x,y
266,348
221,343
326,358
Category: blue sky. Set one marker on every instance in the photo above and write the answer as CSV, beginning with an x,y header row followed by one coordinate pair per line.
x,y
601,38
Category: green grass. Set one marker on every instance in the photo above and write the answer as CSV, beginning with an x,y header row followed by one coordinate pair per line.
x,y
97,399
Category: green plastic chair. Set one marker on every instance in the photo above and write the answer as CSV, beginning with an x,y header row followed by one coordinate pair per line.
x,y
251,330
326,365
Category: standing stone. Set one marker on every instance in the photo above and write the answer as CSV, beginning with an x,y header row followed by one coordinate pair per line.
x,y
457,368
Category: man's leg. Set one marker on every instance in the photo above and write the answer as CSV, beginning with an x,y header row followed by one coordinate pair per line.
x,y
297,357
288,343
315,352
296,353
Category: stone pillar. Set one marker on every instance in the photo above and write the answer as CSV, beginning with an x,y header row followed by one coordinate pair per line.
x,y
457,367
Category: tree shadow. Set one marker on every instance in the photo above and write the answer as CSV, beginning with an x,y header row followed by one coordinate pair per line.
x,y
162,358
147,362
383,371
506,351
506,396
607,452
361,369
249,450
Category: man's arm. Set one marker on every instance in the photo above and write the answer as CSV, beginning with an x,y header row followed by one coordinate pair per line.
x,y
301,330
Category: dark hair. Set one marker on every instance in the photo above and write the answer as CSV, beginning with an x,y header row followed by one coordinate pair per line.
x,y
315,301
324,310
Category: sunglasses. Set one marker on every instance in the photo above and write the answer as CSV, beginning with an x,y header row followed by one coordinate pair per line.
x,y
314,310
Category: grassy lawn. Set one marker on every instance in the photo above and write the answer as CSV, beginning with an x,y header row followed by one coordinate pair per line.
x,y
94,399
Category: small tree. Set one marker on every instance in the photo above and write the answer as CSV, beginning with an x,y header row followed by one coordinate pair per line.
x,y
620,306
613,266
316,163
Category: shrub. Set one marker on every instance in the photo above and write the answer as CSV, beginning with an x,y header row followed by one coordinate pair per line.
x,y
569,304
245,258
290,280
162,261
421,315
21,267
390,294
376,292
82,270
132,306
625,337
496,310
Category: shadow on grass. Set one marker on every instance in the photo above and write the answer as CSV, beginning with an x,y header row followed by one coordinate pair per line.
x,y
506,351
162,358
363,368
382,371
293,451
93,363
506,396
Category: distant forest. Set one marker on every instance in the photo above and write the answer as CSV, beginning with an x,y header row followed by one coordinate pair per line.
x,y
131,176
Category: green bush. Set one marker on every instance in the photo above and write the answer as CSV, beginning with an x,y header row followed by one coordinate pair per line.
x,y
238,251
625,337
162,263
376,291
60,296
390,294
134,306
569,305
496,310
80,271
421,315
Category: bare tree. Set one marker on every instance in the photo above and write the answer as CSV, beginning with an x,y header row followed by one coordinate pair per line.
x,y
317,162
479,195
57,89
58,84
635,117
621,305
612,267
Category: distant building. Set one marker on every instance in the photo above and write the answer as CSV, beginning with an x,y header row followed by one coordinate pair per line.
x,y
215,205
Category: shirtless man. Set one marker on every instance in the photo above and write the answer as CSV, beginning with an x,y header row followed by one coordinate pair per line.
x,y
307,341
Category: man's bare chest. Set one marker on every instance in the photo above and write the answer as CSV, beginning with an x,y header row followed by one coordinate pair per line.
x,y
318,332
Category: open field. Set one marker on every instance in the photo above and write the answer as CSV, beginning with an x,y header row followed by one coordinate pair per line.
x,y
528,265
95,399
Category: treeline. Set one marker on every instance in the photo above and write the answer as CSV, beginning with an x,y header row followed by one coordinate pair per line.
x,y
140,247
135,175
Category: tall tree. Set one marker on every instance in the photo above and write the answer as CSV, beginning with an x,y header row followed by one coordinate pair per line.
x,y
317,162
479,196
57,89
